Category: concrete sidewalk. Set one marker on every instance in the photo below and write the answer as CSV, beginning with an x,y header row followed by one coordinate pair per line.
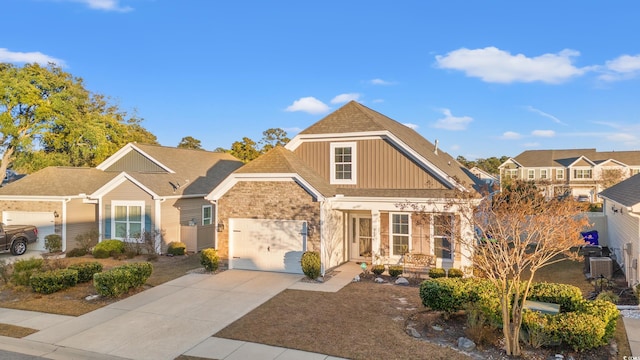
x,y
632,326
178,317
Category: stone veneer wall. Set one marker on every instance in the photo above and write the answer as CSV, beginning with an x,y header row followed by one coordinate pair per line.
x,y
277,200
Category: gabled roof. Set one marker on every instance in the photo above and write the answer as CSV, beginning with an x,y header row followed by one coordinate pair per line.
x,y
186,173
58,182
355,119
277,163
566,157
626,193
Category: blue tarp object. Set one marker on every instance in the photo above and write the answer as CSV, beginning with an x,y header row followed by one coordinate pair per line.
x,y
590,237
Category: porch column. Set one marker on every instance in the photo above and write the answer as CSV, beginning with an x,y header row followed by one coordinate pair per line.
x,y
375,234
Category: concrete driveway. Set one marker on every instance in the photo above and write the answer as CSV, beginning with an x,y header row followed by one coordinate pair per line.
x,y
170,319
10,259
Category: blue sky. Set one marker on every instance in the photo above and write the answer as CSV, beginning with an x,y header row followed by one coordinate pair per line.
x,y
484,78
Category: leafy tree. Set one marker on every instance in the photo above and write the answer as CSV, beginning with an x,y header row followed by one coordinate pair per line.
x,y
189,142
244,150
272,138
47,117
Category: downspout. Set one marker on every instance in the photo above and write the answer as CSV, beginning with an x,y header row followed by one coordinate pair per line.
x,y
215,222
158,224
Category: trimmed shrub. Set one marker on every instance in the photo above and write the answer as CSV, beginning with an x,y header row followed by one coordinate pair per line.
x,y
310,262
51,281
535,329
605,310
176,248
209,259
444,294
395,270
108,248
23,270
378,269
86,270
121,279
77,252
53,243
609,296
569,297
435,273
455,273
579,330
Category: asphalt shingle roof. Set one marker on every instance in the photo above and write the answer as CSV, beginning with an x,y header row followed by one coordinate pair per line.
x,y
551,158
626,192
195,172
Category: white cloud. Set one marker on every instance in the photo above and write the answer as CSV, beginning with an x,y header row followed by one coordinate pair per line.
x,y
105,5
510,135
498,66
28,57
450,122
542,113
380,82
411,126
543,133
309,105
621,68
344,98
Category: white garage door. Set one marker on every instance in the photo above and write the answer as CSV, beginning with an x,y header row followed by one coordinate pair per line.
x,y
44,221
267,245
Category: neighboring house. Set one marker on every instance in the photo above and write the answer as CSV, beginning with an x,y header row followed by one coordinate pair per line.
x,y
141,189
489,179
337,188
621,206
581,173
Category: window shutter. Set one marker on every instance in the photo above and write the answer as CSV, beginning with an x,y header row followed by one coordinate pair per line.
x,y
147,219
107,222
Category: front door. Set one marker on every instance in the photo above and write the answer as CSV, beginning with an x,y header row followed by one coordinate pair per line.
x,y
361,236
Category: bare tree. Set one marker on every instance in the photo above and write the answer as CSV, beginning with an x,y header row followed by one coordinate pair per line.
x,y
610,177
518,233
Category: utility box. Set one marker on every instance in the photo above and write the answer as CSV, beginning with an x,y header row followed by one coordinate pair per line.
x,y
601,267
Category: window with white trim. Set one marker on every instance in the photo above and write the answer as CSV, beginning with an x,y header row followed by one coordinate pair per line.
x,y
343,163
531,174
511,173
207,214
442,235
582,173
544,174
560,174
128,220
399,234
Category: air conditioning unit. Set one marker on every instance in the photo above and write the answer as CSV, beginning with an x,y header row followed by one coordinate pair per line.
x,y
601,266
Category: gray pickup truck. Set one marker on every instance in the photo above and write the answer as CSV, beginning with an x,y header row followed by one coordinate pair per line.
x,y
15,238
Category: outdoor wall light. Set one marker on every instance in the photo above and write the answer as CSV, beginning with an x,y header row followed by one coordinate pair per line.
x,y
55,213
220,226
613,208
310,230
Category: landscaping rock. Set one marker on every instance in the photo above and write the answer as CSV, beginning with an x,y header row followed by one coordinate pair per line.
x,y
379,280
320,279
436,327
92,297
357,278
413,332
466,344
402,281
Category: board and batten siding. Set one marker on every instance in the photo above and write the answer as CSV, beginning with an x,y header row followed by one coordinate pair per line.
x,y
134,161
127,191
379,165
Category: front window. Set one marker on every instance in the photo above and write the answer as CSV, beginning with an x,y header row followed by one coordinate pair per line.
x,y
207,215
128,220
543,173
560,174
442,231
531,174
582,173
400,234
343,163
511,173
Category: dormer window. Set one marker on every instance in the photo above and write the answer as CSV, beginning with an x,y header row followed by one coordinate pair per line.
x,y
343,163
